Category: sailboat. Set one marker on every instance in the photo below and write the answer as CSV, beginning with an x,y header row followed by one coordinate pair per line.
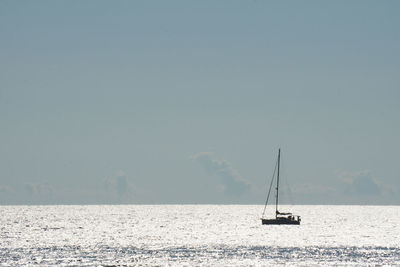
x,y
280,217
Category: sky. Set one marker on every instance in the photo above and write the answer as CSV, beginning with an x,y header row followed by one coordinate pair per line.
x,y
188,102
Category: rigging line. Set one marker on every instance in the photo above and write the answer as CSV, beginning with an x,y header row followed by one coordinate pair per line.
x,y
270,186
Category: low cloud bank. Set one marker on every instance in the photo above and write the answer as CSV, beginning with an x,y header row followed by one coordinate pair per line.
x,y
361,183
118,184
233,183
38,189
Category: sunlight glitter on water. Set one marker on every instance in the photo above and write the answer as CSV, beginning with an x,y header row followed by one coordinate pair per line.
x,y
197,235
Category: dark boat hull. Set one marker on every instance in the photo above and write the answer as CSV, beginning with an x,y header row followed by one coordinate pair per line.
x,y
280,221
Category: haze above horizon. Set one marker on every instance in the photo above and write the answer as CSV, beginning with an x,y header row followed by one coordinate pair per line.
x,y
188,101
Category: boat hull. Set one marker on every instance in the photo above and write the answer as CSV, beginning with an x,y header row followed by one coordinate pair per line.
x,y
280,221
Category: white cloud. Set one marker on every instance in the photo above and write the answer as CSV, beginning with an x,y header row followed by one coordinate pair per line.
x,y
233,183
5,189
38,189
118,183
308,188
361,183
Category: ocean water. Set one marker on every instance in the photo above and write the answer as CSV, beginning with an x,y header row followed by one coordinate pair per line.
x,y
197,235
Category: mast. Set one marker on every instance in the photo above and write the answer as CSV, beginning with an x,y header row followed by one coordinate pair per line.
x,y
277,185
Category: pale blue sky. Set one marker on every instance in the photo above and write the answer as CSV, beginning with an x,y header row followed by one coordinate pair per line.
x,y
189,101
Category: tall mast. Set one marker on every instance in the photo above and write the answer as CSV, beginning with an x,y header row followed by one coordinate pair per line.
x,y
277,185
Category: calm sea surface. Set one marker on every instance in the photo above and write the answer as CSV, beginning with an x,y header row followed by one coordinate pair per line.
x,y
197,235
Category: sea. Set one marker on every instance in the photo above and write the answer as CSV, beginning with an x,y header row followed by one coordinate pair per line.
x,y
197,235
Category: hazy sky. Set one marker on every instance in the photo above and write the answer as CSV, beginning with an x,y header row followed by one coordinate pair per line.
x,y
189,101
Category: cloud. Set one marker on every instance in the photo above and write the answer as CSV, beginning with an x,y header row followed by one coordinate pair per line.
x,y
119,183
309,188
233,183
38,189
365,185
361,183
5,189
